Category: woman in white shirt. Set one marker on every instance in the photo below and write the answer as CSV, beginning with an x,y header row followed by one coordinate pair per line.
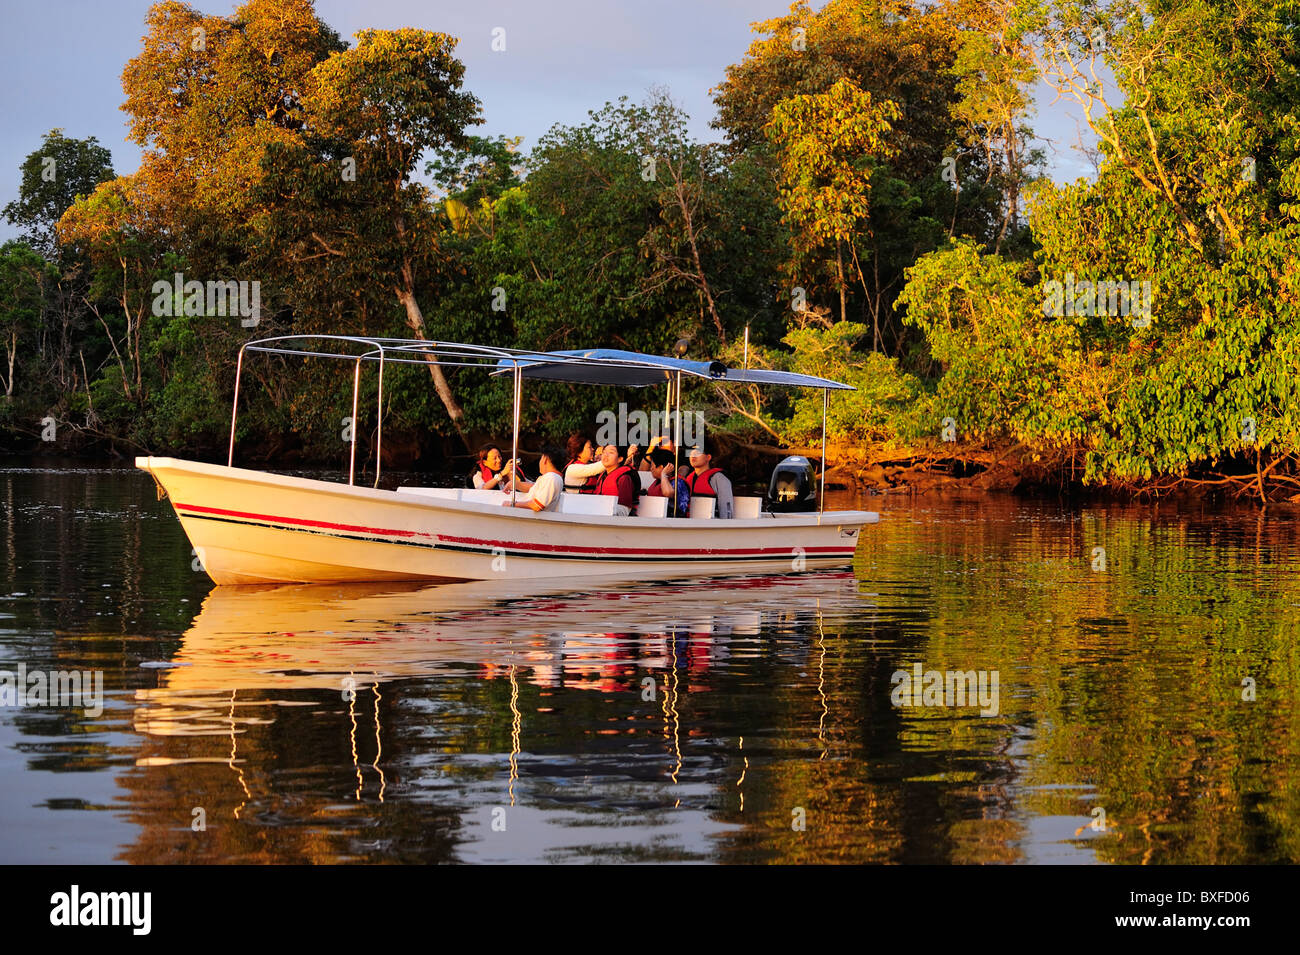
x,y
544,493
584,470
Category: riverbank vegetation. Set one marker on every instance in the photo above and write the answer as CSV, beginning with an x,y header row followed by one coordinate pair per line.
x,y
876,209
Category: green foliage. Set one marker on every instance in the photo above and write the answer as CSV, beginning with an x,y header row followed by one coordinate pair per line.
x,y
54,176
24,275
1205,377
876,152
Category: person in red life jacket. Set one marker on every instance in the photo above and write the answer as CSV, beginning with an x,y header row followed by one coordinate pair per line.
x,y
488,472
677,490
583,472
708,481
619,479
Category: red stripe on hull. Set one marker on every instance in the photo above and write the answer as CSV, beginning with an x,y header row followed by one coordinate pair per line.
x,y
520,545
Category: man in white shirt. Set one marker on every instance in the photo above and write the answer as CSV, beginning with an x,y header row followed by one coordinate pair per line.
x,y
544,493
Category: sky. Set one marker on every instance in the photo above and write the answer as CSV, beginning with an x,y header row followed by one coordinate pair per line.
x,y
61,64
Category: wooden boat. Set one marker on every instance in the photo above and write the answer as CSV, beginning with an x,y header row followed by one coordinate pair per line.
x,y
255,527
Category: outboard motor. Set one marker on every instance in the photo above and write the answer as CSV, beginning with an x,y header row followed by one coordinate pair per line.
x,y
793,487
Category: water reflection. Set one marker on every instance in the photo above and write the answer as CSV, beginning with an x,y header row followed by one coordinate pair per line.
x,y
593,687
741,719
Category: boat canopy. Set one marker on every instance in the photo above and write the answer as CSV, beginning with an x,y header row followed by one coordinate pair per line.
x,y
589,366
611,366
593,366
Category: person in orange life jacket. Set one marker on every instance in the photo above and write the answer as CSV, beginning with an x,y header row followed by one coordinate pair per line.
x,y
489,474
619,479
708,481
544,493
583,472
676,489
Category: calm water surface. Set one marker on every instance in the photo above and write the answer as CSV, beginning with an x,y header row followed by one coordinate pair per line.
x,y
728,720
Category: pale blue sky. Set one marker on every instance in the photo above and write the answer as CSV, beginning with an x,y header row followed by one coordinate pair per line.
x,y
61,63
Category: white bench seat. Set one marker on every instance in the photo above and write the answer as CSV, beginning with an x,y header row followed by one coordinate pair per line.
x,y
595,505
442,493
652,506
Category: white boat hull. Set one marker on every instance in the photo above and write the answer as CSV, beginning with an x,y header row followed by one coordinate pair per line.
x,y
251,527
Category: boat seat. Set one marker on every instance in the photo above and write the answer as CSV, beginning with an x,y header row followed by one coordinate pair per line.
x,y
484,496
748,508
702,508
444,493
652,506
596,505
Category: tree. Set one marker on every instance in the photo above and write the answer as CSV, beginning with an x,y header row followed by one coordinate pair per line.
x,y
825,143
115,231
53,177
207,97
899,52
994,68
23,277
478,173
343,190
1157,342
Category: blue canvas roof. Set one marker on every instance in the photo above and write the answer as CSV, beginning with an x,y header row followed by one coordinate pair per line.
x,y
612,366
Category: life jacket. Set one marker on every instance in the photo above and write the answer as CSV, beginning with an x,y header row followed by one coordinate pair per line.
x,y
588,486
680,504
609,484
700,486
482,471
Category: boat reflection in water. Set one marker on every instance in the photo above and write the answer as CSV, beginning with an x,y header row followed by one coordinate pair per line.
x,y
430,696
320,636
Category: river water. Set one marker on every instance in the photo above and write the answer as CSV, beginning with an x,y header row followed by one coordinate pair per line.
x,y
1137,664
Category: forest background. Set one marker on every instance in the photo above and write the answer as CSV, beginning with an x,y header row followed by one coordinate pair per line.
x,y
875,210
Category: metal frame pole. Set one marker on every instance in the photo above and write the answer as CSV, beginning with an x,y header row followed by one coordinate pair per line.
x,y
234,410
379,429
677,429
352,460
668,404
821,501
514,442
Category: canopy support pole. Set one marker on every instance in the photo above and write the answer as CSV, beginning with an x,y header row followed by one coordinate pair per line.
x,y
514,440
379,430
665,425
234,410
821,500
352,460
677,435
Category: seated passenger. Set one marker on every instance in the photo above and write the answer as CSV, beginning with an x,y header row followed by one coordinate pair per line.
x,y
676,489
708,481
619,479
662,441
489,474
583,472
544,493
